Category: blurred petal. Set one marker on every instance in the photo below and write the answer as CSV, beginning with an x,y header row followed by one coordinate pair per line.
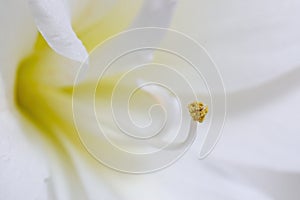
x,y
256,47
267,135
54,23
22,166
216,179
155,13
14,46
123,16
198,180
277,184
87,13
251,42
116,20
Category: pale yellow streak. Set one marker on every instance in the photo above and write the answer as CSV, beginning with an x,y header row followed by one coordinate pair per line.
x,y
118,19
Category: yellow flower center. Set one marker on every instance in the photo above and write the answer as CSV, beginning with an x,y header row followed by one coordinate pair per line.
x,y
43,89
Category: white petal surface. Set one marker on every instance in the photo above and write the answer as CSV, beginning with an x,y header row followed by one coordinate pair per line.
x,y
251,42
17,37
22,169
265,133
54,23
256,47
189,178
88,12
155,13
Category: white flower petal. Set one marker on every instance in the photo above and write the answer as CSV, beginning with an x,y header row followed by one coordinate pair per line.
x,y
255,44
192,178
267,135
251,42
198,177
22,166
87,13
155,13
277,184
54,23
17,38
188,178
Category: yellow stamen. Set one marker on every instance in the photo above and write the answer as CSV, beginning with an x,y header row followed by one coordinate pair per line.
x,y
198,111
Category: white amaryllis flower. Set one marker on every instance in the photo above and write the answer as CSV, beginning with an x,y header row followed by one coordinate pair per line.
x,y
256,47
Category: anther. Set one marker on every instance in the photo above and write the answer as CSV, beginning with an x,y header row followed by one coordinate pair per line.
x,y
198,111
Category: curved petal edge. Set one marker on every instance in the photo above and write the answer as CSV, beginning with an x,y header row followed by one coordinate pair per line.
x,y
54,23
